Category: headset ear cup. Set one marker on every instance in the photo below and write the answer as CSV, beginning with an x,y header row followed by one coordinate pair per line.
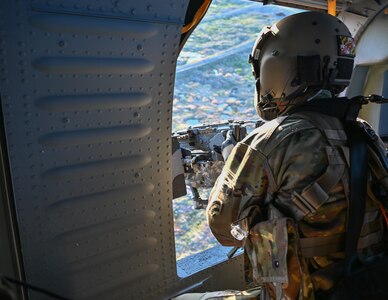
x,y
256,99
257,85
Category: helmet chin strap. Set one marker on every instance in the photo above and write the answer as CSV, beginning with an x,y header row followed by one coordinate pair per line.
x,y
305,96
269,113
302,89
267,107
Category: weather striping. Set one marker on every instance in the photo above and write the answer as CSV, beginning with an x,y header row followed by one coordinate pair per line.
x,y
64,205
97,167
91,65
98,228
76,102
96,135
87,262
61,23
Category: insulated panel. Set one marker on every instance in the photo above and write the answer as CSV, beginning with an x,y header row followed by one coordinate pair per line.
x,y
383,130
86,89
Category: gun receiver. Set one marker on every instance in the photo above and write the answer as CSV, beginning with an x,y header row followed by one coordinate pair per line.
x,y
201,148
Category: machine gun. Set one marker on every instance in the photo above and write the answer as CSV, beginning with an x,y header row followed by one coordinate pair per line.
x,y
201,152
200,147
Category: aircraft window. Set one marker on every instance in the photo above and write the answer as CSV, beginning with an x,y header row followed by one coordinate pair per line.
x,y
214,84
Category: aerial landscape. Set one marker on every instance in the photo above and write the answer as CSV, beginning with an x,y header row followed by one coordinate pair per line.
x,y
214,83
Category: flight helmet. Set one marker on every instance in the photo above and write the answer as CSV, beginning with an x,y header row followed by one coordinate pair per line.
x,y
301,53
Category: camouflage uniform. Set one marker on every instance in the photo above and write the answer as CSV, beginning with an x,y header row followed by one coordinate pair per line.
x,y
287,185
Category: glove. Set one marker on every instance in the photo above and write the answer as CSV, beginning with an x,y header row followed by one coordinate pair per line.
x,y
228,145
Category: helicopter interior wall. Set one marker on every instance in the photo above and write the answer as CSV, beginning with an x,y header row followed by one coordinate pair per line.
x,y
376,83
383,128
371,65
86,93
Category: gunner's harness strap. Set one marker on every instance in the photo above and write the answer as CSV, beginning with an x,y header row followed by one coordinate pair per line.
x,y
317,193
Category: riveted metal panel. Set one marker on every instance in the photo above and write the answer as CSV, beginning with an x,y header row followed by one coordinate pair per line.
x,y
86,90
151,10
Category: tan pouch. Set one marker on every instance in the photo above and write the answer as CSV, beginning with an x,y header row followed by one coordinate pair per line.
x,y
276,262
266,247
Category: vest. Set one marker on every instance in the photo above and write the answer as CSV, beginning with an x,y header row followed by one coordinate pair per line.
x,y
314,258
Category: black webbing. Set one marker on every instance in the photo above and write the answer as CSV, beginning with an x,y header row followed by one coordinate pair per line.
x,y
347,111
358,185
342,108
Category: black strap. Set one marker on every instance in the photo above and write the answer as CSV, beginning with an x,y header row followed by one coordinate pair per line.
x,y
341,108
358,184
358,137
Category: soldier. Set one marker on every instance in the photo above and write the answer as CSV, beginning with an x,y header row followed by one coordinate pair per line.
x,y
284,191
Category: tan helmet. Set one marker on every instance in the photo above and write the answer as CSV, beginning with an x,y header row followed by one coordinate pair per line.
x,y
302,52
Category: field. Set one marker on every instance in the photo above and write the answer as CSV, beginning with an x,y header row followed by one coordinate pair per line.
x,y
214,83
214,80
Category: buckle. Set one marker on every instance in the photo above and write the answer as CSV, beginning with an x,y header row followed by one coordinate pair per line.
x,y
238,232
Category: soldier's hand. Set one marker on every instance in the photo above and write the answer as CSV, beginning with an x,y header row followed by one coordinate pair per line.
x,y
228,145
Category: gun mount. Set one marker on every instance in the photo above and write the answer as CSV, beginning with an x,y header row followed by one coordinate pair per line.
x,y
201,149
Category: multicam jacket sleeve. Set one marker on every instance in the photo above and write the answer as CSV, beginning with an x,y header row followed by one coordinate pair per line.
x,y
242,183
